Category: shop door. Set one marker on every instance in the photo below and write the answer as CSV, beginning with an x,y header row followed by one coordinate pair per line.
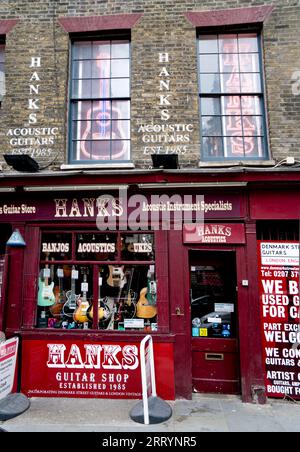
x,y
214,317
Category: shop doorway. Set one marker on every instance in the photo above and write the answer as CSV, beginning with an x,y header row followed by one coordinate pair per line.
x,y
214,322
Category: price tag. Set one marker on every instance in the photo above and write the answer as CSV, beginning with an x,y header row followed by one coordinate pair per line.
x,y
100,282
47,273
60,273
75,274
84,287
203,332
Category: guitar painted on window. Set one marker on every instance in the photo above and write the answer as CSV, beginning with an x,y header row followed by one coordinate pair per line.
x,y
46,295
71,304
100,128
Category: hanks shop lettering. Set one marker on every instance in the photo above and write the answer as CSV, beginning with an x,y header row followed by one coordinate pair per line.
x,y
34,141
165,138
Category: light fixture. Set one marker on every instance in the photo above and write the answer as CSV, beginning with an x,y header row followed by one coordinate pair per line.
x,y
193,185
22,163
165,161
7,189
16,240
52,188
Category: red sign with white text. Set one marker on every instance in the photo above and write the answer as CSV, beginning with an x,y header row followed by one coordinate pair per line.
x,y
92,370
279,299
214,233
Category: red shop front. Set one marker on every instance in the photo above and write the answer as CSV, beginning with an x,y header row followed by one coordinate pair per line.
x,y
81,297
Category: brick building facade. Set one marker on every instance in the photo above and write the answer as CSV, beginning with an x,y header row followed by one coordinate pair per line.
x,y
93,91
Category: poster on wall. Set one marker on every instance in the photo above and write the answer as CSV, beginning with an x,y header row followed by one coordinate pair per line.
x,y
280,314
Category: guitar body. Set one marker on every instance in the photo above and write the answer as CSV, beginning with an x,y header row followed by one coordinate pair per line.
x,y
144,310
57,307
116,277
80,315
71,304
46,295
103,312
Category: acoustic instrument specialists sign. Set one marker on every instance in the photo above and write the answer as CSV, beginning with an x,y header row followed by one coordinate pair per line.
x,y
89,370
279,297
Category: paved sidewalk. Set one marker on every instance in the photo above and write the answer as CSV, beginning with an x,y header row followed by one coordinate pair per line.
x,y
202,414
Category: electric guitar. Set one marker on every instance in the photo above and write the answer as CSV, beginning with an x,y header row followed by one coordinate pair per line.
x,y
116,277
152,289
103,309
144,310
60,296
80,315
46,295
71,304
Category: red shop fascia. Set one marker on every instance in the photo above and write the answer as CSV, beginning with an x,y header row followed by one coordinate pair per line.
x,y
82,300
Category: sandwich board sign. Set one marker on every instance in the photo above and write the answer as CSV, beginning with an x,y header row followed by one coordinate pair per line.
x,y
8,359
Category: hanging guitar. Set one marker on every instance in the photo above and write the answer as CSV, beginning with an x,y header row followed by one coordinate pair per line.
x,y
117,277
46,295
71,304
146,306
80,315
104,311
60,296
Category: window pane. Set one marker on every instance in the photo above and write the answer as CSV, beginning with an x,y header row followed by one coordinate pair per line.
x,y
231,105
82,50
249,62
56,247
101,110
96,247
234,147
81,130
81,89
100,69
2,53
120,68
120,87
211,126
210,83
248,43
208,44
138,247
213,147
228,44
81,150
120,49
121,109
209,63
100,89
81,110
101,150
101,130
210,106
233,125
230,83
82,69
251,83
253,125
120,150
229,62
101,50
121,130
251,105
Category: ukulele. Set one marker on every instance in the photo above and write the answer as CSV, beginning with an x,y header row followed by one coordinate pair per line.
x,y
71,304
46,295
60,297
80,315
144,310
116,277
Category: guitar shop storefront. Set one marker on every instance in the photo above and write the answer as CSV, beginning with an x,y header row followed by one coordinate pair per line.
x,y
82,298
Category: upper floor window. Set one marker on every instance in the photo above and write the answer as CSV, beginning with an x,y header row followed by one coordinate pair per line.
x,y
232,109
100,101
2,72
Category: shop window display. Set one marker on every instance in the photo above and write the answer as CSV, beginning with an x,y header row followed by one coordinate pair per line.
x,y
99,281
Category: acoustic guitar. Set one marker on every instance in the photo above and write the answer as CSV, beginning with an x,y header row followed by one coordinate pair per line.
x,y
144,310
46,295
